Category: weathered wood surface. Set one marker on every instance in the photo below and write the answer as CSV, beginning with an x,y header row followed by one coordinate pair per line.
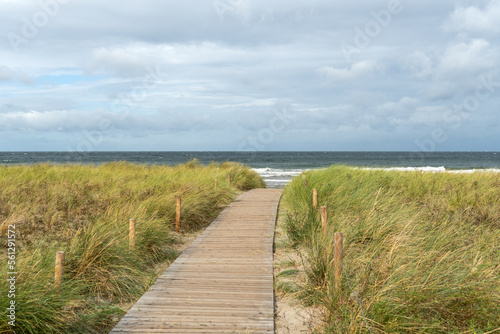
x,y
223,282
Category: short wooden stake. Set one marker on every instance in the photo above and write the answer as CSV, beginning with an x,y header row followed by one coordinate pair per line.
x,y
59,269
324,218
131,233
315,198
229,179
339,242
216,183
178,216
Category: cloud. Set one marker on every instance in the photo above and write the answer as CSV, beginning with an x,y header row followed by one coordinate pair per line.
x,y
358,70
419,65
466,59
453,70
7,74
112,123
425,116
405,104
53,120
118,62
462,59
428,115
474,19
217,75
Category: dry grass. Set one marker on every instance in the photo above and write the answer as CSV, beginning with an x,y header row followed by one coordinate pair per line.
x,y
85,211
421,249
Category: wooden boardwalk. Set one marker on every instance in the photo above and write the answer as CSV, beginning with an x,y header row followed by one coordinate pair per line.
x,y
223,282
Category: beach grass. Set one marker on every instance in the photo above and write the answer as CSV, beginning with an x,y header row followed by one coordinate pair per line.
x,y
84,210
421,250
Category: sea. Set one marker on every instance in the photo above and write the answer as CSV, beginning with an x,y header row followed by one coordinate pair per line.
x,y
278,168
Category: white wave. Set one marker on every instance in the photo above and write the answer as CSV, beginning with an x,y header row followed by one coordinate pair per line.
x,y
419,169
470,171
273,172
441,169
409,169
277,180
277,170
277,177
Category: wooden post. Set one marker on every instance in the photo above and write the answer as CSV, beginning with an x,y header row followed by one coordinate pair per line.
x,y
339,242
324,219
315,198
59,269
229,179
131,233
216,183
178,216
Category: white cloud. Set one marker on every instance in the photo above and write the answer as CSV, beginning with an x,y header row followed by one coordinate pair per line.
x,y
358,70
459,60
455,69
475,19
467,59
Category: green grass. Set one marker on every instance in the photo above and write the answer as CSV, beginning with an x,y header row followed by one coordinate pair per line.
x,y
85,211
421,250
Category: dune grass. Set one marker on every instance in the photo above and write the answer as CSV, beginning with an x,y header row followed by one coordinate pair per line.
x,y
421,250
85,210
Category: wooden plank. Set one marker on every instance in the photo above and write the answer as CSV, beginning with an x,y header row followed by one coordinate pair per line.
x,y
223,282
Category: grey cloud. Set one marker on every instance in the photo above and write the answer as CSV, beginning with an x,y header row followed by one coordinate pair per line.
x,y
10,107
221,73
74,121
118,62
358,70
7,74
54,120
419,64
405,103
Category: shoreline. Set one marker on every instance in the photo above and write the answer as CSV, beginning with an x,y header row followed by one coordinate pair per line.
x,y
279,178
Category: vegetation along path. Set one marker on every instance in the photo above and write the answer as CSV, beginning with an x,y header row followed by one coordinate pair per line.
x,y
223,283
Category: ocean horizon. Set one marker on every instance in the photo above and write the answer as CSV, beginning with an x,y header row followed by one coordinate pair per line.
x,y
276,167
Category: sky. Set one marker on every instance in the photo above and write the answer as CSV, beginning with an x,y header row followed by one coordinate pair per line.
x,y
249,75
